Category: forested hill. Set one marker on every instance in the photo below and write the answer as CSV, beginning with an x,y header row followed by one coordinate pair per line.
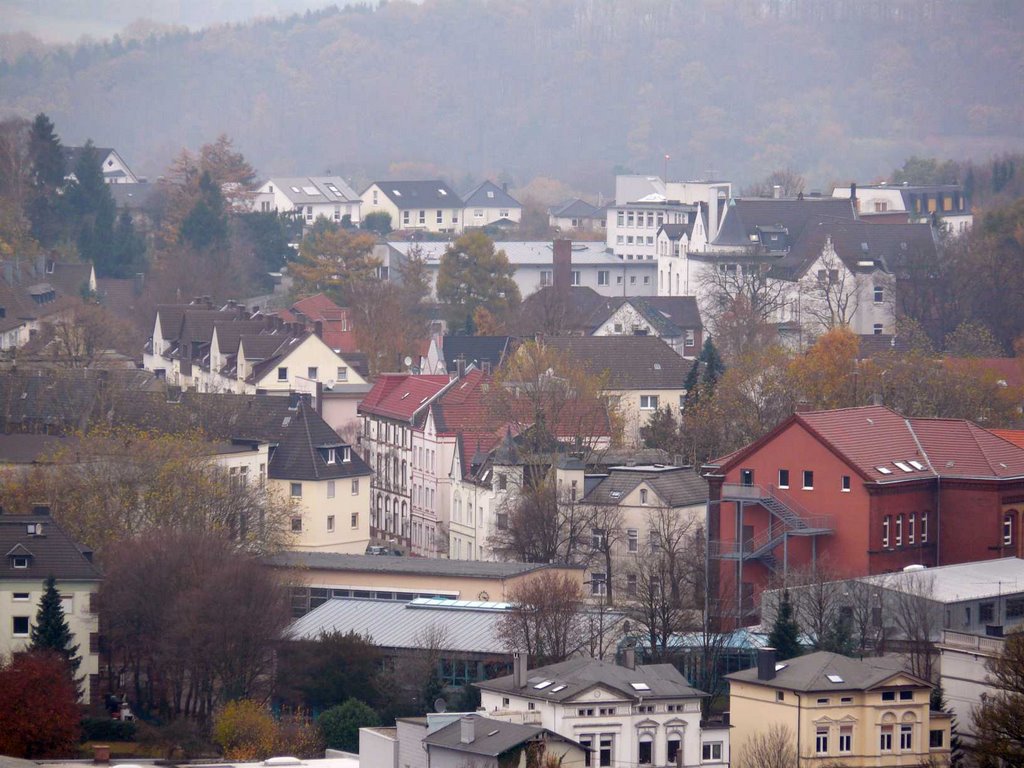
x,y
573,89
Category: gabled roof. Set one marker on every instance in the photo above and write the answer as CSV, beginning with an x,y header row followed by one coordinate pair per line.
x,y
52,553
314,189
489,195
575,209
674,486
578,310
420,194
812,673
491,738
400,395
875,441
476,350
630,362
302,451
670,316
567,679
73,154
744,215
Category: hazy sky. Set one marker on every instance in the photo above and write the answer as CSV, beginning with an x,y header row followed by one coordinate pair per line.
x,y
67,20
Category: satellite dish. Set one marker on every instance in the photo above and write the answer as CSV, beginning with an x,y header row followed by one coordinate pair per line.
x,y
440,705
407,361
330,383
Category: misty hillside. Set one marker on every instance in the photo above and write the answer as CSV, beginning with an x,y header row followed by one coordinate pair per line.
x,y
572,89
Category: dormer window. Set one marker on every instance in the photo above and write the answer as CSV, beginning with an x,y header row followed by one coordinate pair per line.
x,y
19,561
330,456
346,454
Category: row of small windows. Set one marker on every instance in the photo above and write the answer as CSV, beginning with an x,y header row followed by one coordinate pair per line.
x,y
807,480
904,524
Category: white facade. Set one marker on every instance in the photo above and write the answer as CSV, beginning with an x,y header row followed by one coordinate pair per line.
x,y
441,218
964,673
632,227
308,198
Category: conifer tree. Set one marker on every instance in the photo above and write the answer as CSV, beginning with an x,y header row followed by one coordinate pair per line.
x,y
45,206
713,365
206,226
785,634
51,631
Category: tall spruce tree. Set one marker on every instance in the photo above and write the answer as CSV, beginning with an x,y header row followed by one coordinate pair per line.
x,y
785,634
51,631
94,211
206,226
45,207
713,365
129,250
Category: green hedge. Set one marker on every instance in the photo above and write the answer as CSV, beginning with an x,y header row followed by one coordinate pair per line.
x,y
105,729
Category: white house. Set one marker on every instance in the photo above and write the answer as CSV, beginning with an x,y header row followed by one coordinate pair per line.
x,y
487,204
624,715
915,203
576,215
427,205
115,169
308,198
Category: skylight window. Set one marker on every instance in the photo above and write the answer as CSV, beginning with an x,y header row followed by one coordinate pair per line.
x,y
396,193
780,667
311,190
543,684
904,467
615,494
884,470
834,678
441,192
640,686
295,190
916,464
493,733
558,688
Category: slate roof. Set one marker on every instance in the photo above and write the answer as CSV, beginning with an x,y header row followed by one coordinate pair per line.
x,y
674,486
73,154
314,189
476,350
670,316
744,215
23,448
575,209
873,437
420,194
69,279
491,738
119,295
421,566
810,673
401,624
52,553
302,450
579,310
571,678
400,395
487,194
630,362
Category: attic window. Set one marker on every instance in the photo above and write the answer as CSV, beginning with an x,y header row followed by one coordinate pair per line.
x,y
864,247
490,193
834,678
884,470
916,464
640,686
543,684
657,366
614,494
904,467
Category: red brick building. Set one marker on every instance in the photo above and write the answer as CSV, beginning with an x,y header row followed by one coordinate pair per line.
x,y
867,489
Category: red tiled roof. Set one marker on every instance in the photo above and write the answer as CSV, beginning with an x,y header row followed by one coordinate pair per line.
x,y
337,333
1015,436
872,439
400,395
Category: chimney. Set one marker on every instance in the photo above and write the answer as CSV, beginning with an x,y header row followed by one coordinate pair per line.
x,y
140,282
562,265
713,214
460,366
318,328
629,657
504,187
853,196
519,669
776,192
766,664
467,733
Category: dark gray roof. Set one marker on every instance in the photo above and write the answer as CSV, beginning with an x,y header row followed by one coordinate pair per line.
x,y
670,316
575,209
29,448
52,553
811,673
304,446
674,486
490,738
73,154
630,362
136,196
479,569
476,350
489,195
744,216
420,194
573,677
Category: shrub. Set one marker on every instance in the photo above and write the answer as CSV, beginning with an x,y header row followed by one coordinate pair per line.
x,y
38,707
105,729
245,731
340,725
298,735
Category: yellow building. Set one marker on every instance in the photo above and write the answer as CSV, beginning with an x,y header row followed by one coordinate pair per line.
x,y
839,711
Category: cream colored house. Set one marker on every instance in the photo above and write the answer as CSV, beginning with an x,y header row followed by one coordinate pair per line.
x,y
839,710
427,205
623,715
327,481
488,204
35,547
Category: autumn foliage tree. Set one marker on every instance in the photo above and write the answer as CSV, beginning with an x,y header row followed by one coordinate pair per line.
x,y
473,274
336,261
38,707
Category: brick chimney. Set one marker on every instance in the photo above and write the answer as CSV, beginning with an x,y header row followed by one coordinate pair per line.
x,y
562,265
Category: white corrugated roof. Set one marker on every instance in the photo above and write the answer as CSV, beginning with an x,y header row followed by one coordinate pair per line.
x,y
966,581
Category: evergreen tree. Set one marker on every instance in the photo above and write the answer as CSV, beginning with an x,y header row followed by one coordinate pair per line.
x,y
93,209
206,226
45,206
129,250
937,703
839,636
51,631
785,634
662,431
691,385
713,365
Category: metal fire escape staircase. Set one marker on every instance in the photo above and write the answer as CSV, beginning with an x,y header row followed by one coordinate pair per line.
x,y
787,518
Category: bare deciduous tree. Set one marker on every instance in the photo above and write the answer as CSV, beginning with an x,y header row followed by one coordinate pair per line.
x,y
830,295
773,748
546,620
